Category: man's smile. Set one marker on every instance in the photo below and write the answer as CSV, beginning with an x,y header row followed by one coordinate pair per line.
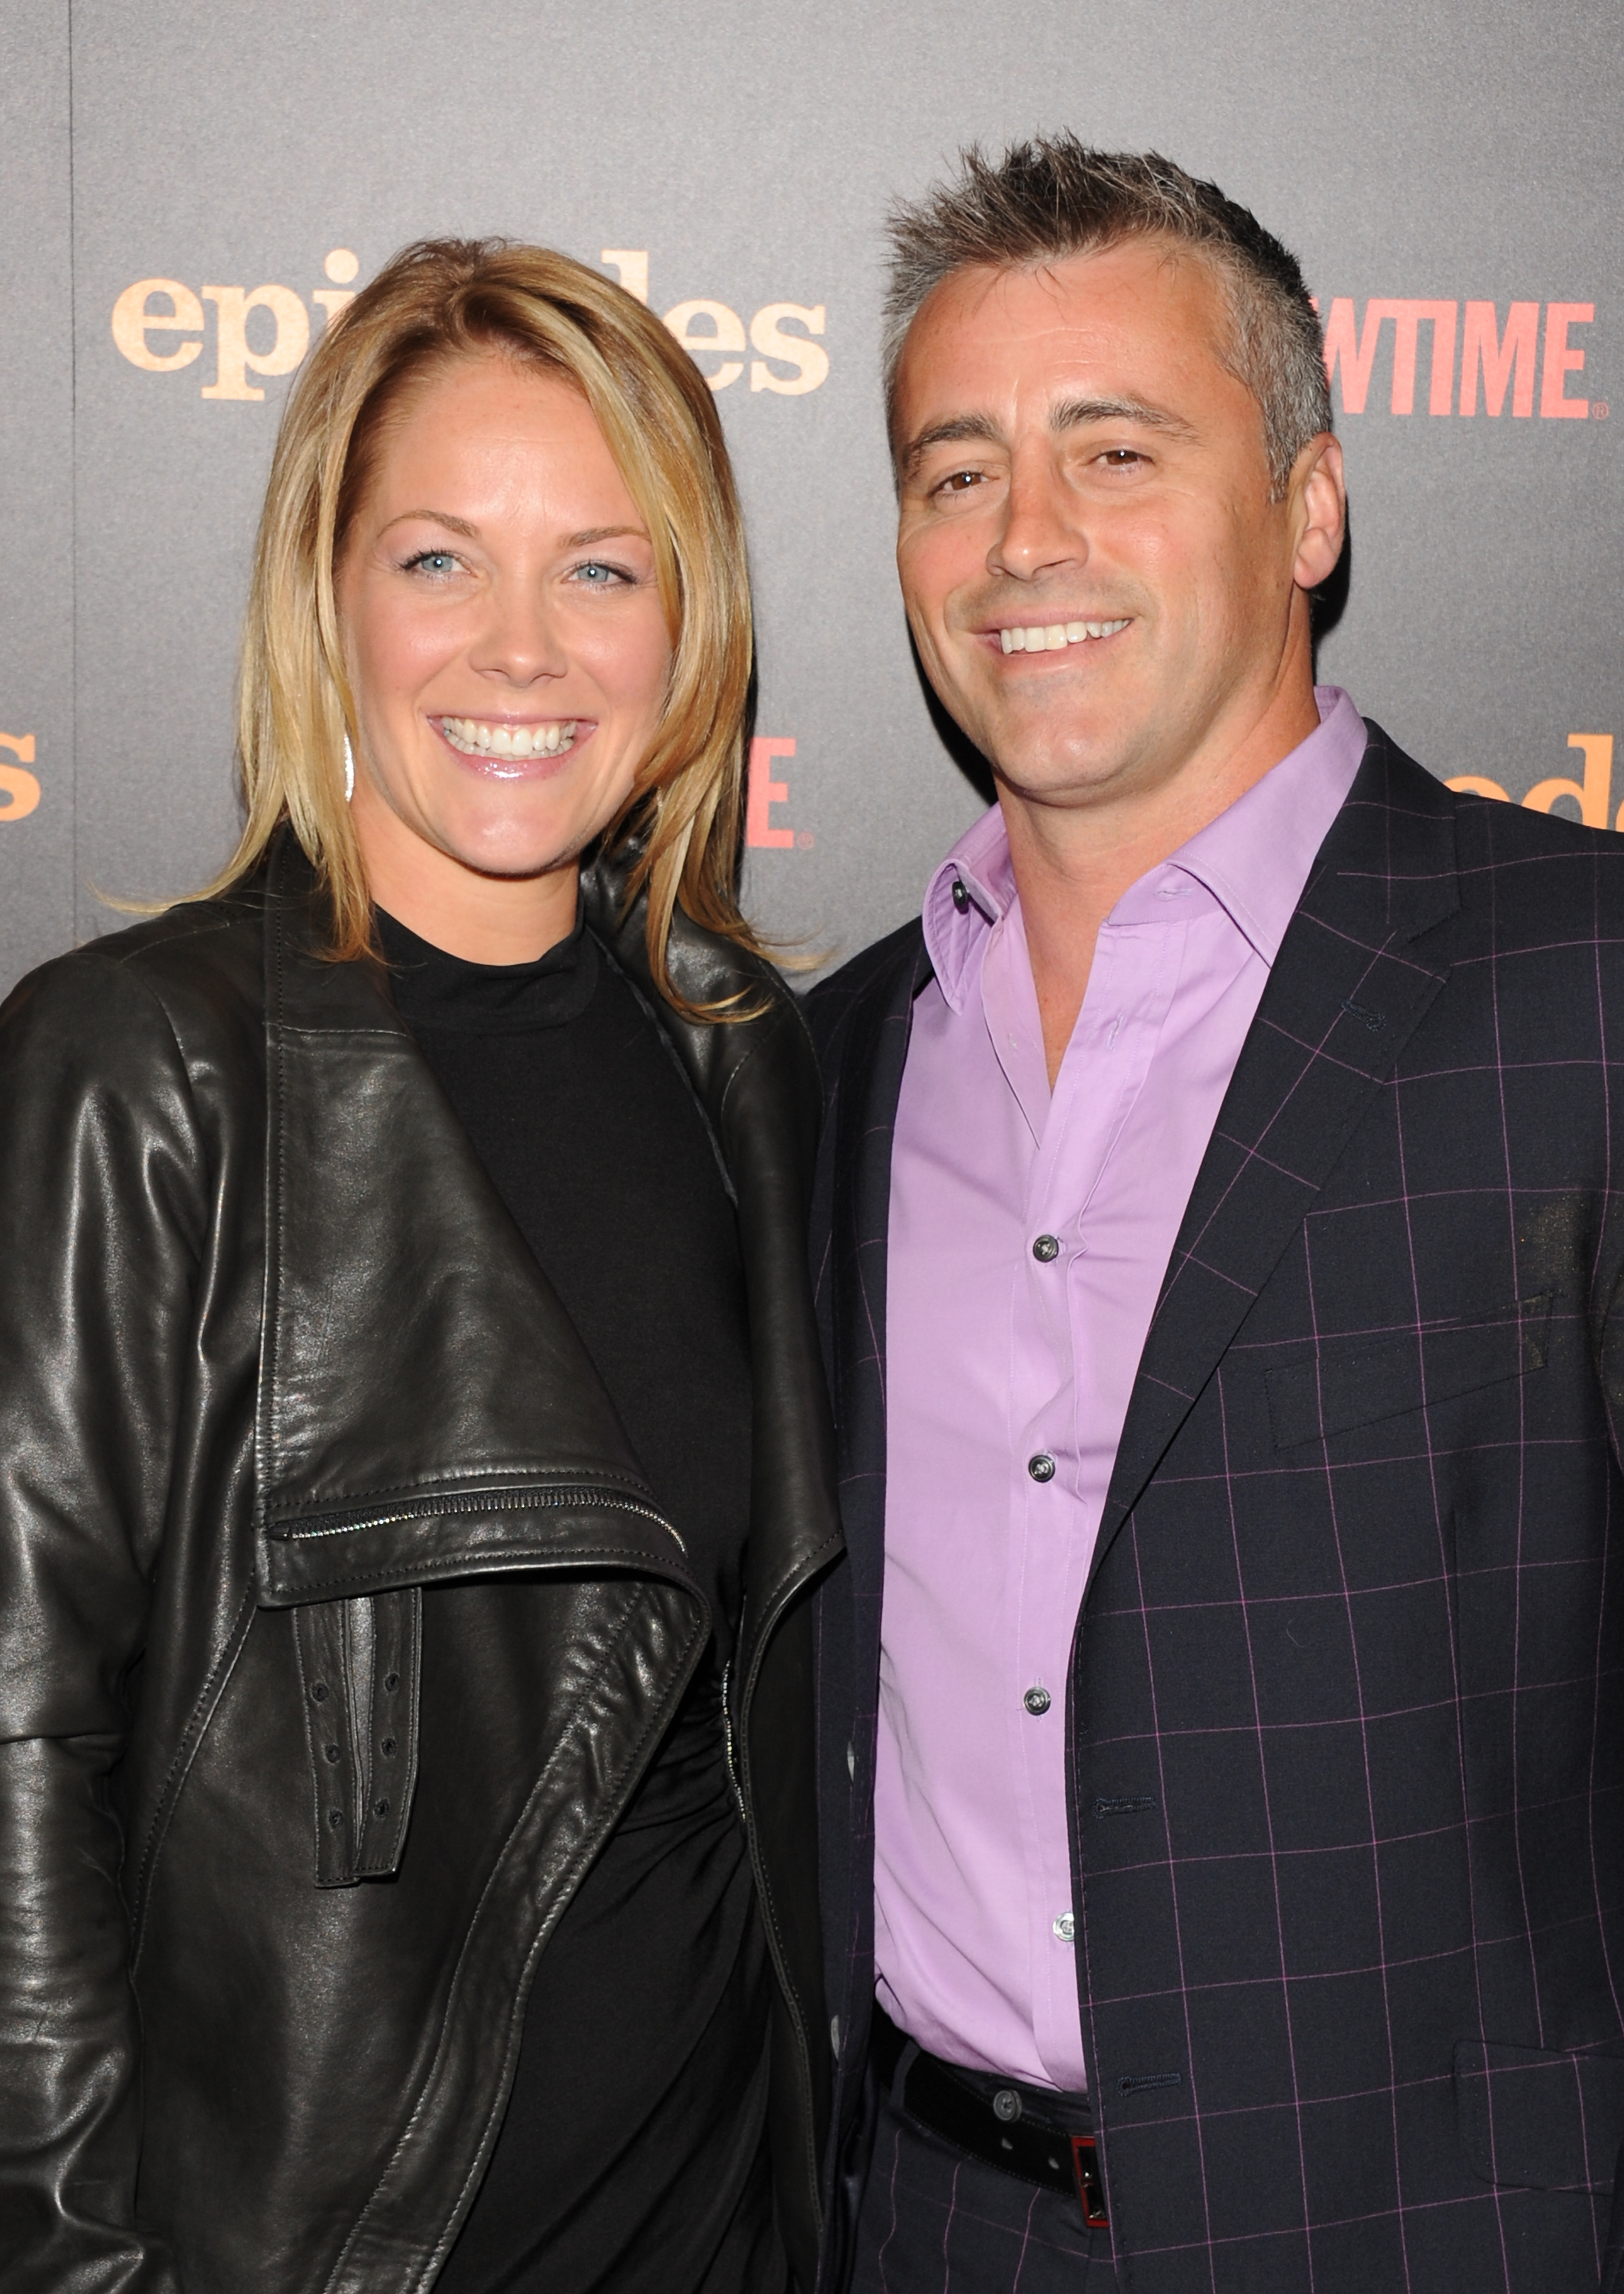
x,y
1054,636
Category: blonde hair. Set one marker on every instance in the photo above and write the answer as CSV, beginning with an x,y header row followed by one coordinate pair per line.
x,y
439,301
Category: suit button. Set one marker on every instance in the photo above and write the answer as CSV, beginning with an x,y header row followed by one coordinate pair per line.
x,y
1006,2104
1046,1247
1042,1466
1037,1702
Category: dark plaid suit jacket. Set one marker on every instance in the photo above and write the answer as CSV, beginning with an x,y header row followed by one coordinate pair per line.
x,y
1346,1735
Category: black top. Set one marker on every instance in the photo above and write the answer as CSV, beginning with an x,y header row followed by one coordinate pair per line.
x,y
632,2156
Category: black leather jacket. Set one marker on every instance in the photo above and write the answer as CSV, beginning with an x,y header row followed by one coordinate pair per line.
x,y
272,1359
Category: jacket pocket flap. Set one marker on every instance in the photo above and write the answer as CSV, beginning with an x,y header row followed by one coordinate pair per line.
x,y
1539,2120
1356,1381
344,1553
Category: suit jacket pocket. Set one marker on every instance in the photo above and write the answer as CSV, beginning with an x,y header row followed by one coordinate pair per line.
x,y
1356,1381
1536,2119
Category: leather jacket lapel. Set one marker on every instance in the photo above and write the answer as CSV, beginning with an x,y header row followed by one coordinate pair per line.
x,y
1347,990
756,1080
406,1328
408,1332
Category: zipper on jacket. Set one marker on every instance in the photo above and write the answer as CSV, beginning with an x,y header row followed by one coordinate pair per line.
x,y
333,1524
728,1744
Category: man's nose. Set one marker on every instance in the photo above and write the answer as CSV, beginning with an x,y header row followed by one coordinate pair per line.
x,y
520,641
1042,530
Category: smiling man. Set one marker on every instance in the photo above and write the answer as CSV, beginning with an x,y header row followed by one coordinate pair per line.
x,y
1219,1257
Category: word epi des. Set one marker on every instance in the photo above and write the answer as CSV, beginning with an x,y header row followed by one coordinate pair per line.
x,y
1492,358
789,361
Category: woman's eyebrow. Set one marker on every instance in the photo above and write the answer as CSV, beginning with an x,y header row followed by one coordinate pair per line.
x,y
437,517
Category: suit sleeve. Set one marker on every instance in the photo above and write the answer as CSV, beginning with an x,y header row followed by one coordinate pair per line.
x,y
101,1212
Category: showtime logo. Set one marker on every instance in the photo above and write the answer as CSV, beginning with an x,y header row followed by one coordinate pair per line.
x,y
155,320
1496,361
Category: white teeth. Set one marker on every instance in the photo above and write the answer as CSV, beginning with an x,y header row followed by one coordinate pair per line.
x,y
476,738
1053,637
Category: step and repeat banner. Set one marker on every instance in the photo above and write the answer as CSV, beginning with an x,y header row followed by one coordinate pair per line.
x,y
191,191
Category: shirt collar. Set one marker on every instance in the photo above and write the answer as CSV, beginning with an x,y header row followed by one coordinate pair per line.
x,y
1255,858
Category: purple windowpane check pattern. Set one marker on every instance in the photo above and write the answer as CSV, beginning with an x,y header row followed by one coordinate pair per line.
x,y
1346,1725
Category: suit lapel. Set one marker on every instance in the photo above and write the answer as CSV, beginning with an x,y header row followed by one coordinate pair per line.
x,y
868,1086
1347,990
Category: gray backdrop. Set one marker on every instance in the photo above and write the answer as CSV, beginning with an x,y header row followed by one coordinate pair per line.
x,y
1447,155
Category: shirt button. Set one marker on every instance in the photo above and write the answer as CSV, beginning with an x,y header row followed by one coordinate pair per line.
x,y
1042,1466
1065,1928
1045,1248
961,898
1037,1702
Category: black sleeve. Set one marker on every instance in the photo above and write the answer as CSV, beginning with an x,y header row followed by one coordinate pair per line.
x,y
101,1198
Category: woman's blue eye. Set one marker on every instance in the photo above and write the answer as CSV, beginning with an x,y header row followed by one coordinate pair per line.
x,y
597,577
432,561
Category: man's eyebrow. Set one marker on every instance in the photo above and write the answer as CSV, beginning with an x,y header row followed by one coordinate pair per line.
x,y
1073,413
956,429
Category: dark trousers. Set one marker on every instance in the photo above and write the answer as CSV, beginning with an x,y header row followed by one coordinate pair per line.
x,y
935,2221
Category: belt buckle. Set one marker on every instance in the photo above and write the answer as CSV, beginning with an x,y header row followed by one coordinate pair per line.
x,y
1091,2191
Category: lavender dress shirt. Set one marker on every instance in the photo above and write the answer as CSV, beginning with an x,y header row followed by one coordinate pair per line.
x,y
1028,1237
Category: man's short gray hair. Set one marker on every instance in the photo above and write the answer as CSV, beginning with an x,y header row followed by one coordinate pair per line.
x,y
1053,198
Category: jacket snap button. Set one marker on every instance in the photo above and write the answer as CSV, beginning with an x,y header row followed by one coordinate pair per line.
x,y
1037,1702
319,1691
335,1816
387,1748
380,1808
392,1681
330,1751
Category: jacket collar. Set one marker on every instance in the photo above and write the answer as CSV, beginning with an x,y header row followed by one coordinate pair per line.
x,y
425,1408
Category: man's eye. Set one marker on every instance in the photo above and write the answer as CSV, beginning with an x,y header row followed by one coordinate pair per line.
x,y
958,482
1120,458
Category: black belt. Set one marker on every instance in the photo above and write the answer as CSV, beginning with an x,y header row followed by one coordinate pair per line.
x,y
1016,2146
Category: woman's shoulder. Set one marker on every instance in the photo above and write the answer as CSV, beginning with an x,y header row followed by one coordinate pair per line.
x,y
185,974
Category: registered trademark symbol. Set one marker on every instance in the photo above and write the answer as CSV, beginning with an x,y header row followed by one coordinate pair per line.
x,y
1599,410
805,839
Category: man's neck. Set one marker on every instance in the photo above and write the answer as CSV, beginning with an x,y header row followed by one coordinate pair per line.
x,y
1073,863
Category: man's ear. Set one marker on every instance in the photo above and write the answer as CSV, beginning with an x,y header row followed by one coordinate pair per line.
x,y
1318,496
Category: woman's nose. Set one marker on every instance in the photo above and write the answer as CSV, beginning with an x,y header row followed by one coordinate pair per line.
x,y
520,641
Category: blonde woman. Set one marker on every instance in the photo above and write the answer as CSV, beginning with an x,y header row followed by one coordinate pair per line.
x,y
413,1460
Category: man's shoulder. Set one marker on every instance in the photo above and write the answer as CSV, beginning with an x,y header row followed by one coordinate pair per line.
x,y
1520,868
1533,871
885,973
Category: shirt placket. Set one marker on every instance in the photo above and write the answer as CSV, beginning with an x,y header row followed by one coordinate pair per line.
x,y
1051,1525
